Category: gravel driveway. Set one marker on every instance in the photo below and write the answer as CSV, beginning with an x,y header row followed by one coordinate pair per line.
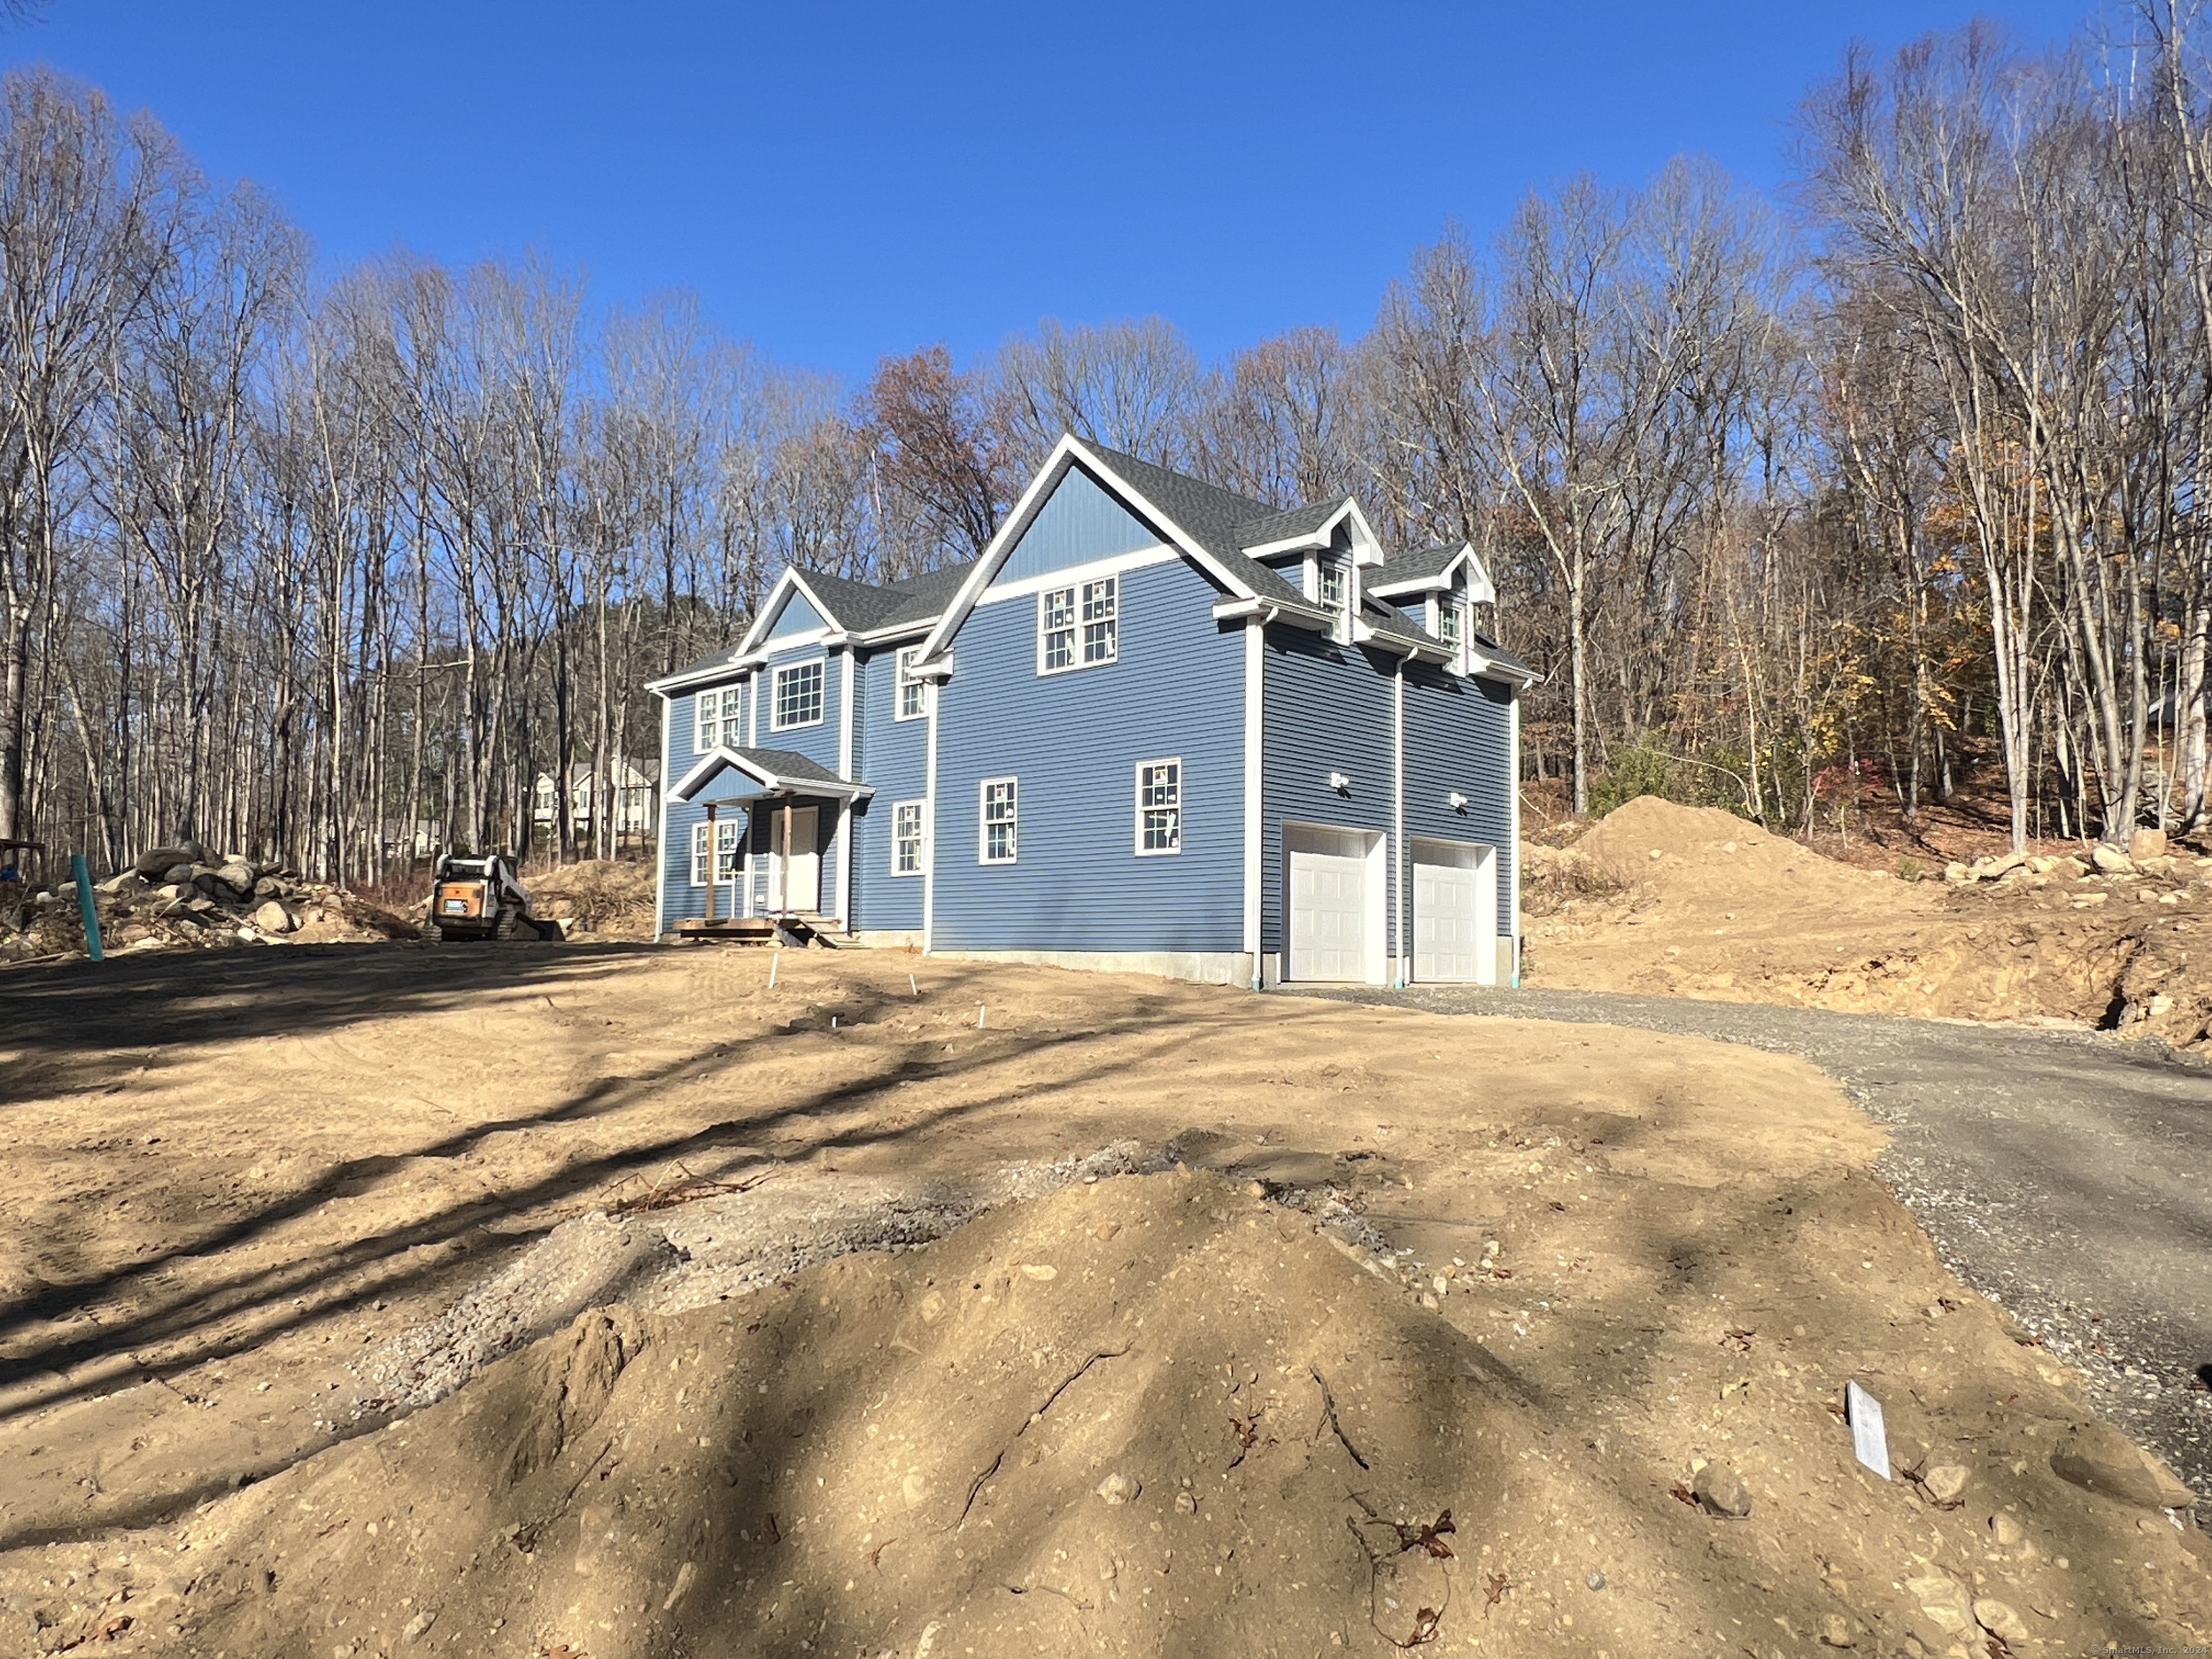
x,y
2066,1175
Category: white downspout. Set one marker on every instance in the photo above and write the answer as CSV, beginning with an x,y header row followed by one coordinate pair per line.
x,y
1255,658
1398,815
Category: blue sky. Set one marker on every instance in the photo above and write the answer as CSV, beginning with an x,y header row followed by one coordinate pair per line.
x,y
840,182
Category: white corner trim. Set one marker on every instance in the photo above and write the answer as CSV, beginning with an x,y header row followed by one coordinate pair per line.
x,y
929,829
1513,791
660,846
1255,822
1399,853
849,661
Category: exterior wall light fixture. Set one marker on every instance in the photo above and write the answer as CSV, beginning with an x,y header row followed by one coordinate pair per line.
x,y
1340,783
1457,801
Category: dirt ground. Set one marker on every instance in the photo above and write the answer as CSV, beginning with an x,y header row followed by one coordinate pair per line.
x,y
1658,898
1574,1287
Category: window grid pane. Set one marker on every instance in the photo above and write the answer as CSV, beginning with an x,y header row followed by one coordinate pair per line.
x,y
1056,628
999,813
1159,806
906,838
1100,606
798,694
911,690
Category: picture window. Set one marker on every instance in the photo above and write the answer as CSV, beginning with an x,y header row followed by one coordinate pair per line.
x,y
798,696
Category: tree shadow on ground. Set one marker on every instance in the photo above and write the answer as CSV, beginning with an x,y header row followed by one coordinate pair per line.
x,y
215,1312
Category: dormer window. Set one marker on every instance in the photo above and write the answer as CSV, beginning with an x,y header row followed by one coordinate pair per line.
x,y
1329,585
1451,624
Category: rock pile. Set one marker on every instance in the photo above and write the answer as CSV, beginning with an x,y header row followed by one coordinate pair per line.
x,y
2147,854
185,895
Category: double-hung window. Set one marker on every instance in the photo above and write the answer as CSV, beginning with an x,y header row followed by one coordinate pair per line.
x,y
999,799
718,717
798,696
912,691
1328,585
1451,625
906,838
1159,807
725,851
1078,626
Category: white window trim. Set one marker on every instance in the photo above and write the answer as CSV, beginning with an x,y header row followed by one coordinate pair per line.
x,y
983,821
1076,623
1138,830
921,837
775,722
704,740
899,681
725,830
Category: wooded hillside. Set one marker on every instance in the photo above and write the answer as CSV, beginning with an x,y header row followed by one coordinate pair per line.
x,y
1792,502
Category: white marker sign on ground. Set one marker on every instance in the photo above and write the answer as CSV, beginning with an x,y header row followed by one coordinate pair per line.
x,y
1868,1438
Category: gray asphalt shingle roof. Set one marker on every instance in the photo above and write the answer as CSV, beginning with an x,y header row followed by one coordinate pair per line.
x,y
1221,521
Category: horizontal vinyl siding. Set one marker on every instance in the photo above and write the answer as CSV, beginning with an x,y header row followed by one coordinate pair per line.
x,y
684,735
892,757
819,742
680,901
1458,737
1074,740
1327,709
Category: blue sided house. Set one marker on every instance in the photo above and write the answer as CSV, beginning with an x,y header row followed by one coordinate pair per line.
x,y
1157,726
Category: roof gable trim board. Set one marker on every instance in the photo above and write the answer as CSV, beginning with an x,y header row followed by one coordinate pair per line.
x,y
1069,451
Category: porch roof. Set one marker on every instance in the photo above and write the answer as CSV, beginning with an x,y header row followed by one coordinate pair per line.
x,y
767,774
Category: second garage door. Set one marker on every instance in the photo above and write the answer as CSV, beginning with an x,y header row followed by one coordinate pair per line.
x,y
1335,927
1455,913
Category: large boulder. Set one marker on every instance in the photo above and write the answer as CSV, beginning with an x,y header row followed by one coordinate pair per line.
x,y
238,876
2147,844
156,860
2098,1458
2111,860
274,918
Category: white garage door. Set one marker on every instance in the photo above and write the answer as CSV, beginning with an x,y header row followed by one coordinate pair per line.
x,y
1334,909
1455,913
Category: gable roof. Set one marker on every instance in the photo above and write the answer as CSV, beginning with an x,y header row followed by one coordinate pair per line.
x,y
851,607
771,772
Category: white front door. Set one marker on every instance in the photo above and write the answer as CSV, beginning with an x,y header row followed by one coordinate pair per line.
x,y
794,860
1334,931
1455,913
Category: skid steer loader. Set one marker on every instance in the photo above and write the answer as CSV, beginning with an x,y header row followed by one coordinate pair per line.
x,y
477,898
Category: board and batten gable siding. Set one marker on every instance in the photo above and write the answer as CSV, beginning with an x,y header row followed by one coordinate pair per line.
x,y
1327,707
795,615
1459,737
1080,522
892,757
1073,739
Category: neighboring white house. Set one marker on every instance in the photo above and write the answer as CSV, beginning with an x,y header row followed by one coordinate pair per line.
x,y
635,794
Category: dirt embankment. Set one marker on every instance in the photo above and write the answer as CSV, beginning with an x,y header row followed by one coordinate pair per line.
x,y
1689,901
1587,1293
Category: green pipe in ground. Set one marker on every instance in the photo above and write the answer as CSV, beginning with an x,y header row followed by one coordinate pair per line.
x,y
84,906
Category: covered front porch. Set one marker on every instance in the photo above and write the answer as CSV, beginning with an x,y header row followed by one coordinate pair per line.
x,y
779,826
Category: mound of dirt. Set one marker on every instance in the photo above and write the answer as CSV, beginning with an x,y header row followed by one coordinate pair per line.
x,y
1158,1412
1662,898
